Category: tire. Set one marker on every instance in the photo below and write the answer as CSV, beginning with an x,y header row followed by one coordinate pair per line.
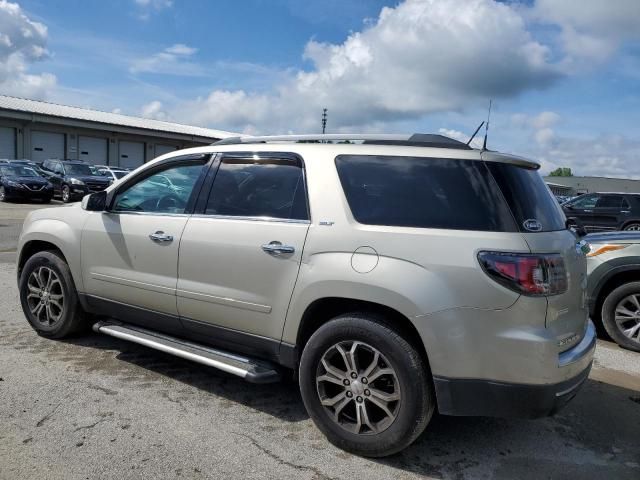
x,y
622,298
410,383
66,194
61,314
634,226
3,194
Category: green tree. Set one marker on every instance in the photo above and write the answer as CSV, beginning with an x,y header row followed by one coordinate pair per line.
x,y
561,172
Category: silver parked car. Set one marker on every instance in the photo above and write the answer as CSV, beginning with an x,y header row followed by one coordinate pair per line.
x,y
614,285
392,274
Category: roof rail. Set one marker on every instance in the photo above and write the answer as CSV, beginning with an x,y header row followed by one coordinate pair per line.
x,y
414,140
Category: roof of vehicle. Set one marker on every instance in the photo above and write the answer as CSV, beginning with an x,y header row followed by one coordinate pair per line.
x,y
414,140
611,237
416,145
612,193
65,160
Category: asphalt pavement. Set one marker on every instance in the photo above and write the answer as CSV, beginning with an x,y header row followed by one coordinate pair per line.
x,y
95,407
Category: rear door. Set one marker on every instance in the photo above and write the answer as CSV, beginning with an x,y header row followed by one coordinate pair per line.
x,y
56,174
607,212
240,256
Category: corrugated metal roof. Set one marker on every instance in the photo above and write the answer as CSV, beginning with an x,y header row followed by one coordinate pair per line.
x,y
77,113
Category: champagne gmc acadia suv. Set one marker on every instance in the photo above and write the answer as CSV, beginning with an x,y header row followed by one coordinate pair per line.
x,y
393,275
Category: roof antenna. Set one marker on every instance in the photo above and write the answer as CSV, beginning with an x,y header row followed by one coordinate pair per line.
x,y
486,128
324,120
475,133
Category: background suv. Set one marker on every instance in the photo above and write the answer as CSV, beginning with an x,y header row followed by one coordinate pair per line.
x,y
393,274
113,173
605,211
72,179
614,285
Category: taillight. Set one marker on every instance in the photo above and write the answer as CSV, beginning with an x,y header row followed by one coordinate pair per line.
x,y
528,274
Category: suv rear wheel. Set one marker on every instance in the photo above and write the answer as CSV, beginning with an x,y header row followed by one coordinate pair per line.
x,y
621,315
366,388
48,296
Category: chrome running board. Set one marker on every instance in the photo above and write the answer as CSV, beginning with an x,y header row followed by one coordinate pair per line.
x,y
252,370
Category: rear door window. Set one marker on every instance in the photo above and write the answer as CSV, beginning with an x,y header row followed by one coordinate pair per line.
x,y
264,188
423,192
609,201
531,202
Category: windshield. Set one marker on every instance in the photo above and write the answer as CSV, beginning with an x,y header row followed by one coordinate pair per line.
x,y
18,171
78,169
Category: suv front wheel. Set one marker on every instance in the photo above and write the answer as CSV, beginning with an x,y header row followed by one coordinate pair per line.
x,y
48,296
366,388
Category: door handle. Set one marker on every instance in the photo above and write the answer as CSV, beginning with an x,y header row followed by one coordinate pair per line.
x,y
161,237
588,211
276,248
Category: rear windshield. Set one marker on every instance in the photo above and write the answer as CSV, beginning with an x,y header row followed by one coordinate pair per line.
x,y
423,192
528,197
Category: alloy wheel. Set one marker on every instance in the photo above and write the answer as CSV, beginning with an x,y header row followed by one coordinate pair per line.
x,y
627,317
3,194
358,387
65,194
45,297
634,227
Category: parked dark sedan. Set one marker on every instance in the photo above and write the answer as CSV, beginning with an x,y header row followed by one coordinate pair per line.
x,y
73,179
22,182
605,211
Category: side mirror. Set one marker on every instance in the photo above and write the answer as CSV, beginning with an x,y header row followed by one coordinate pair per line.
x,y
575,225
568,207
96,202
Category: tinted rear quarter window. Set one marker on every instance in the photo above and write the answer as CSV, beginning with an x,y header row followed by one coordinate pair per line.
x,y
528,196
423,192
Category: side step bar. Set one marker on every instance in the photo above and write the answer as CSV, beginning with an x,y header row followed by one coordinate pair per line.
x,y
252,370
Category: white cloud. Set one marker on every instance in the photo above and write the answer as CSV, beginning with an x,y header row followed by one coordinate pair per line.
x,y
151,6
154,110
22,42
463,137
173,60
539,126
420,57
605,155
591,30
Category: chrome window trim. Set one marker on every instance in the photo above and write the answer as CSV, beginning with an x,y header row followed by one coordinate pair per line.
x,y
253,219
156,214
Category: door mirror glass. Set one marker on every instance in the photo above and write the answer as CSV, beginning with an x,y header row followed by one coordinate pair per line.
x,y
96,202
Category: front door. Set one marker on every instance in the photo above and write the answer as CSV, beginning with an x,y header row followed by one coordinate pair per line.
x,y
130,253
240,257
582,209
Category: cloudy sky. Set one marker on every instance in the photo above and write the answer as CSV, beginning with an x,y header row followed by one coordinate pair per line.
x,y
564,75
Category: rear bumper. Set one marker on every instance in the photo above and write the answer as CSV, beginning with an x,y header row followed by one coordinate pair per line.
x,y
478,397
